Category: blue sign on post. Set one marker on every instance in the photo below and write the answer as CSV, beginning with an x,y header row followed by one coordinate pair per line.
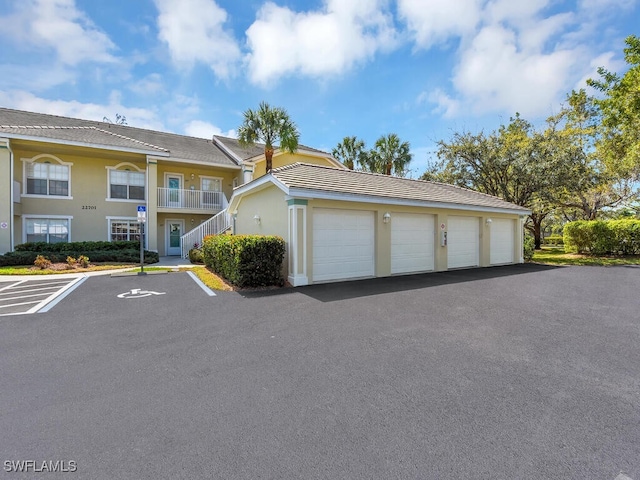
x,y
142,218
142,214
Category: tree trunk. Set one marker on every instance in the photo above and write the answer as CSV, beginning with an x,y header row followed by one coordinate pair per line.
x,y
536,229
388,169
268,155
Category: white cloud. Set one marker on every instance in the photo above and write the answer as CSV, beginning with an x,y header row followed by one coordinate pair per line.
x,y
150,85
194,32
494,74
200,129
515,57
318,43
435,21
59,25
136,117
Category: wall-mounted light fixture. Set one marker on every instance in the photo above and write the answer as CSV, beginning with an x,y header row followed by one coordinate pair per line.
x,y
488,221
193,175
386,218
256,218
192,221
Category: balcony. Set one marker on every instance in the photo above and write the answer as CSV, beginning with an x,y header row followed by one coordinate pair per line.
x,y
194,201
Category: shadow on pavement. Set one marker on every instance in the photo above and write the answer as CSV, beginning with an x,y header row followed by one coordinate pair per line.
x,y
331,292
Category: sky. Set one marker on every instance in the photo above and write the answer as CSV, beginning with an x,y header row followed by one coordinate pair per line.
x,y
422,69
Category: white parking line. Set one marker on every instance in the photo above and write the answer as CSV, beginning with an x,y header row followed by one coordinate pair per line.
x,y
206,289
58,296
49,292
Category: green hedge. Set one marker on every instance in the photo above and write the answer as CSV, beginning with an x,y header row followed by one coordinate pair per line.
x,y
612,237
246,260
27,257
77,246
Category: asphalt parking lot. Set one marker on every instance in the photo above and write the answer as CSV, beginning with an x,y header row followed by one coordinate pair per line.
x,y
504,373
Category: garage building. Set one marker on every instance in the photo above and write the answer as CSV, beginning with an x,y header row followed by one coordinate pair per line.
x,y
345,225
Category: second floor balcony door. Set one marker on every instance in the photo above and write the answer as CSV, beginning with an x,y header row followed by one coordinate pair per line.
x,y
174,184
211,192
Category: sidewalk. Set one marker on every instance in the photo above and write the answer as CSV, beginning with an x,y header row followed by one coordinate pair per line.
x,y
169,262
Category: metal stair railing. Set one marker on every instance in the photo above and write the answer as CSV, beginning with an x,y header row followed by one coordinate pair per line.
x,y
217,224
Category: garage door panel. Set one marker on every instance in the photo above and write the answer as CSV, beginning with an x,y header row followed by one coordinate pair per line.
x,y
463,242
502,241
343,244
412,243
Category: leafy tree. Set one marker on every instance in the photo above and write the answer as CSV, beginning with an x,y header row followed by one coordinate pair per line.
x,y
389,155
515,163
591,185
350,151
620,107
271,126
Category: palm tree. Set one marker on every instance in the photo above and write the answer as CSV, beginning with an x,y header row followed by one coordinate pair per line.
x,y
390,154
269,125
350,151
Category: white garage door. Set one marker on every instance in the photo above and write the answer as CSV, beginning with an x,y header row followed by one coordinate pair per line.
x,y
343,244
411,243
502,241
463,242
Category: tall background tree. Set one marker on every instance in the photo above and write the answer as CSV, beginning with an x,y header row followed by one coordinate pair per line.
x,y
350,151
271,126
619,144
389,156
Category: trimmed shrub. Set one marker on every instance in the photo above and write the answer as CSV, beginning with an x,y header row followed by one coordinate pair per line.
x,y
246,260
13,259
613,237
196,256
529,247
77,246
42,262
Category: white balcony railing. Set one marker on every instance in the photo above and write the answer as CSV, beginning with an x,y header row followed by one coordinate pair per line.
x,y
177,198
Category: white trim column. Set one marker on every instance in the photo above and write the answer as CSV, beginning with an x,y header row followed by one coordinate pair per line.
x,y
297,244
6,197
151,227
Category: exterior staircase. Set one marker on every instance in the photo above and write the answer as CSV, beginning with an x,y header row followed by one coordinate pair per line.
x,y
219,223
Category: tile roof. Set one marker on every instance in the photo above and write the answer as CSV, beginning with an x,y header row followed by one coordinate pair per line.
x,y
108,135
348,182
248,152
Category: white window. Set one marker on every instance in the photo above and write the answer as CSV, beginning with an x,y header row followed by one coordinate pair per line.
x,y
46,175
126,182
123,229
46,229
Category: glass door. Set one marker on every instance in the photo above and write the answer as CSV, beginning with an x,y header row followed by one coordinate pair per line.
x,y
174,232
174,184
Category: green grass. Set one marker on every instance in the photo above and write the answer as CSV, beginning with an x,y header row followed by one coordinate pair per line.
x,y
210,279
557,256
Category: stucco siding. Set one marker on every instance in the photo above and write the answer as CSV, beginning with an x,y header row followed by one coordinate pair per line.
x,y
288,159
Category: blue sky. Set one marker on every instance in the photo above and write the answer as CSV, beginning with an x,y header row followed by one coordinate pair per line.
x,y
419,68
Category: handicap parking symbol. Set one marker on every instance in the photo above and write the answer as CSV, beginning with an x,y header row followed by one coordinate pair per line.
x,y
139,293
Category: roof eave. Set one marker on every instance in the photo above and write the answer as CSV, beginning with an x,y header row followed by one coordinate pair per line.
x,y
357,197
31,138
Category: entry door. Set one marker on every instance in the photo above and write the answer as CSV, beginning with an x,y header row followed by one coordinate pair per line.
x,y
175,229
174,184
